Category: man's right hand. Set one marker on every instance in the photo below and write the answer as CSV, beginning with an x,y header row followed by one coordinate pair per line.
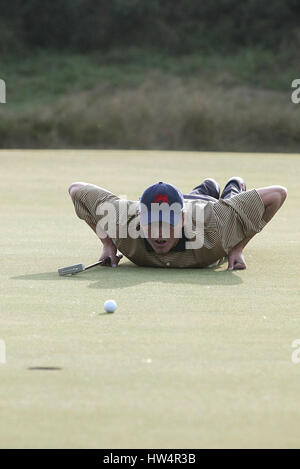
x,y
236,260
109,250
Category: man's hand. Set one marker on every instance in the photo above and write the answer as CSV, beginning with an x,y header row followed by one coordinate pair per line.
x,y
110,250
236,260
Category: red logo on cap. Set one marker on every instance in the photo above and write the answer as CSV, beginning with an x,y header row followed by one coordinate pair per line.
x,y
161,198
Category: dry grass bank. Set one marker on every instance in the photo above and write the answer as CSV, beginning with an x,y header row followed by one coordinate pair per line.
x,y
160,113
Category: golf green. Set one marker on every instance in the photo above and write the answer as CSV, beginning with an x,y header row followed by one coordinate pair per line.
x,y
190,359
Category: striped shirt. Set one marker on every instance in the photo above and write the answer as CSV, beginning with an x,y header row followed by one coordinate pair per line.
x,y
225,224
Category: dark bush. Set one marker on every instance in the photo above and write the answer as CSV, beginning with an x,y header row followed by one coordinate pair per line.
x,y
176,26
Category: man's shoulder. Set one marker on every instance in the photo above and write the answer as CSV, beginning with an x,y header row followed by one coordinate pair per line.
x,y
200,210
249,198
190,203
92,192
121,210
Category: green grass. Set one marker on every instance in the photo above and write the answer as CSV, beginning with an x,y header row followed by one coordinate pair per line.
x,y
146,100
191,358
44,75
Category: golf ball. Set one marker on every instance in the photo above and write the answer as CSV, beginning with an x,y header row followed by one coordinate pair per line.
x,y
110,306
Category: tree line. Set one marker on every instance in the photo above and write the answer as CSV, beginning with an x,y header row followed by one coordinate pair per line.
x,y
174,26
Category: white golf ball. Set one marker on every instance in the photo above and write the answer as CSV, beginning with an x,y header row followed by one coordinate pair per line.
x,y
110,306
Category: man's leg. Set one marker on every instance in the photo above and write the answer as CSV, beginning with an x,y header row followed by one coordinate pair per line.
x,y
208,190
234,186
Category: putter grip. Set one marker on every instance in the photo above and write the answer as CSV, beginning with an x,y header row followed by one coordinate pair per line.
x,y
106,261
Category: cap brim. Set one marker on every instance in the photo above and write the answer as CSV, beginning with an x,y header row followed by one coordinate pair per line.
x,y
170,217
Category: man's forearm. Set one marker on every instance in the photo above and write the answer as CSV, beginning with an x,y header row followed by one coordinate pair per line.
x,y
109,249
272,197
240,246
101,235
106,241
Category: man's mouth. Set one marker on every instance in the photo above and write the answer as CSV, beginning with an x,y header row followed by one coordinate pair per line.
x,y
160,242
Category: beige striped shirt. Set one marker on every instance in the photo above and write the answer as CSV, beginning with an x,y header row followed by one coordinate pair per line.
x,y
225,224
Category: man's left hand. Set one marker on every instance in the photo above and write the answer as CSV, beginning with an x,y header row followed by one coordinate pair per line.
x,y
236,260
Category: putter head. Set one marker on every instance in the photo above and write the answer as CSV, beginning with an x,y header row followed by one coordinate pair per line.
x,y
71,269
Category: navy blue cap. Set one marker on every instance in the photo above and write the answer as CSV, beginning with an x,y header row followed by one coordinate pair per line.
x,y
161,202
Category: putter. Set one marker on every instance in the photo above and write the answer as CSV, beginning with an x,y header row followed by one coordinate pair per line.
x,y
76,268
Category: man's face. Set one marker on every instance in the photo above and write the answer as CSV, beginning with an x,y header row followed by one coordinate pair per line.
x,y
162,237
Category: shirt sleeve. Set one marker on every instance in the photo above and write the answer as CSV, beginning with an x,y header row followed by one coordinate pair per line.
x,y
87,200
239,217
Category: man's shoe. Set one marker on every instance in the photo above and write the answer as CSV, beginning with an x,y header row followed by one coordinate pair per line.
x,y
208,187
233,186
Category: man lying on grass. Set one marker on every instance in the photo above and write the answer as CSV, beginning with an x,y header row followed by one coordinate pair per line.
x,y
168,229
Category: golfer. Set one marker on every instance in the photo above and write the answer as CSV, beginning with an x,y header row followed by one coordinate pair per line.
x,y
166,228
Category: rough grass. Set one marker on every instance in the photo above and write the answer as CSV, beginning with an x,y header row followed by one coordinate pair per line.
x,y
142,101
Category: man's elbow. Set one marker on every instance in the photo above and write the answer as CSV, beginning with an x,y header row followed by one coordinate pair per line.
x,y
273,195
74,187
283,193
279,195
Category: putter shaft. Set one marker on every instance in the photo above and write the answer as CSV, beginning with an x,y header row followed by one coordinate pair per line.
x,y
75,269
